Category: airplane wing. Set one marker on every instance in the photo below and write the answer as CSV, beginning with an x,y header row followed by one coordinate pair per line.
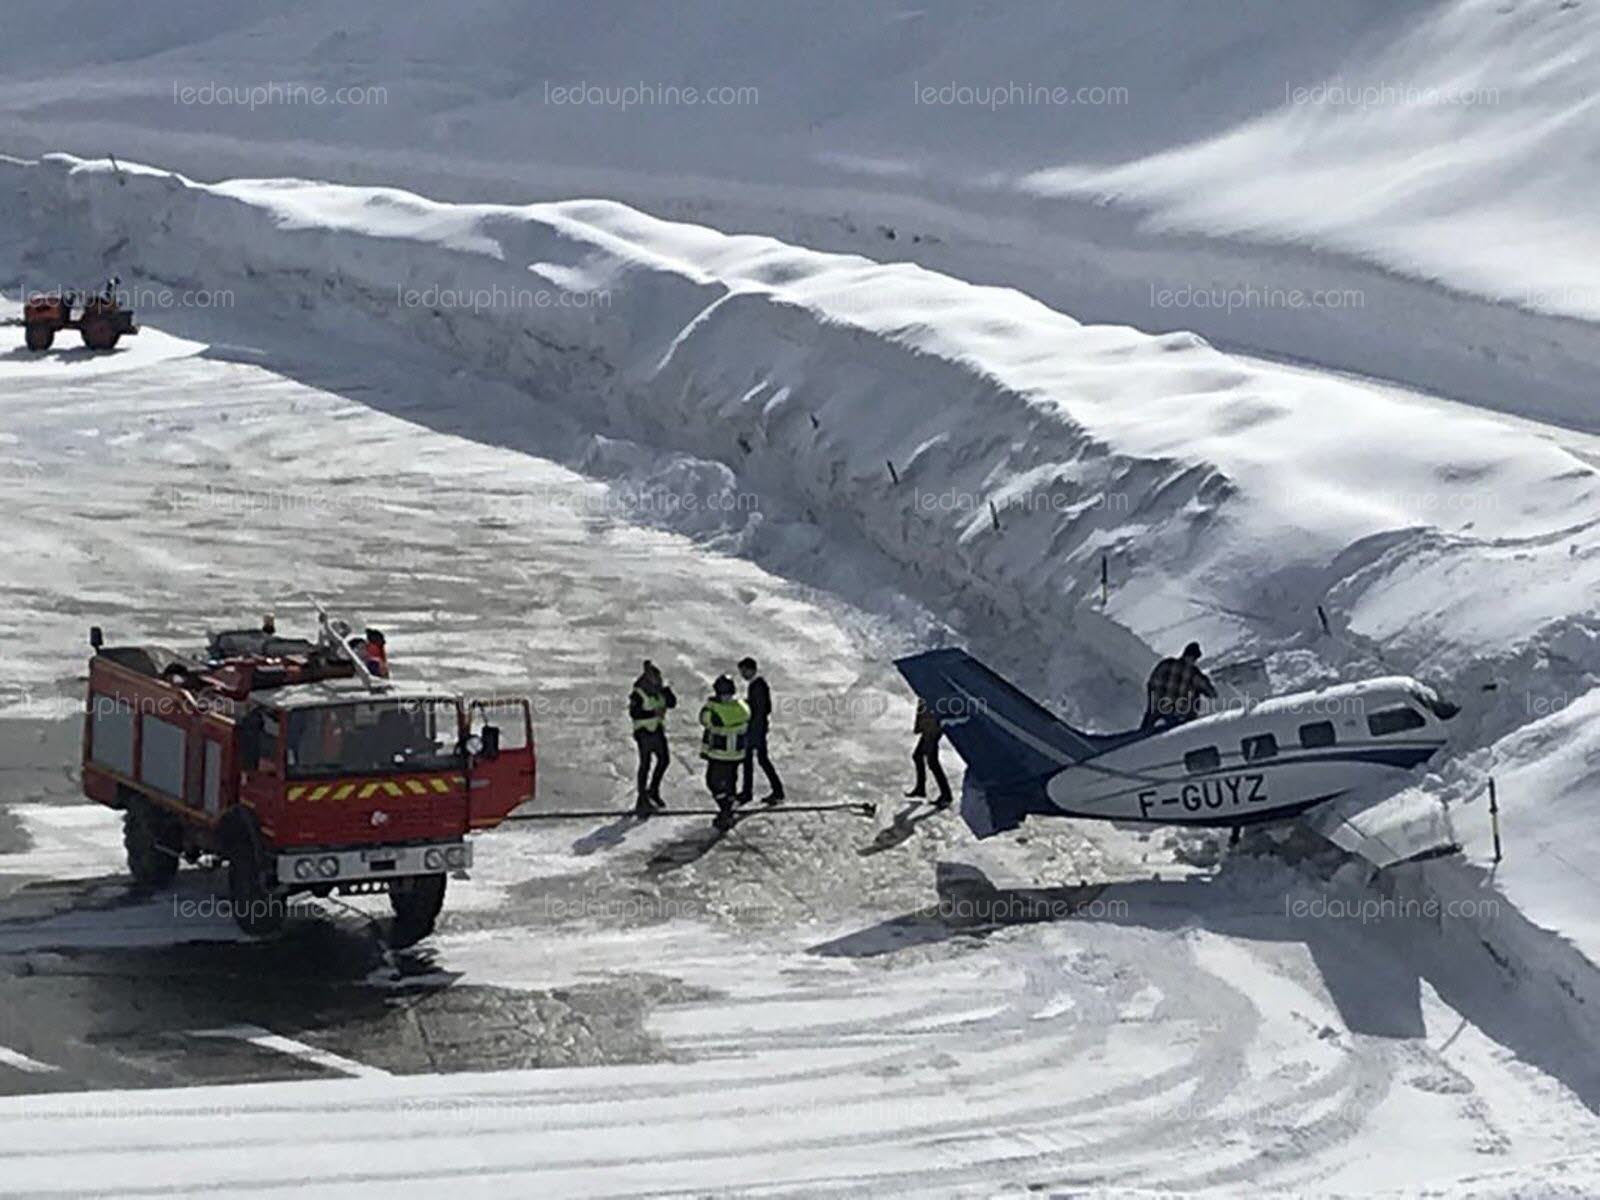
x,y
1405,827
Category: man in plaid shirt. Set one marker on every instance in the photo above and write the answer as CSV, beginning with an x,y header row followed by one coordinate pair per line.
x,y
1173,694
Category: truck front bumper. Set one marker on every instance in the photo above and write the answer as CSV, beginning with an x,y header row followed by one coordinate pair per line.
x,y
299,868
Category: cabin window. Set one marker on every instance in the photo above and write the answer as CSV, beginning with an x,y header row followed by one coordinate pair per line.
x,y
1317,735
361,737
161,756
1263,745
269,741
211,786
508,716
111,736
1394,720
1198,762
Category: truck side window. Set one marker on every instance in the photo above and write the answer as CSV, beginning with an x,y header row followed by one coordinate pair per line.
x,y
258,739
269,740
1317,735
111,733
1198,762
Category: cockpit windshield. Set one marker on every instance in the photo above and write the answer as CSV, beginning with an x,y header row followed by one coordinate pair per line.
x,y
373,736
1435,703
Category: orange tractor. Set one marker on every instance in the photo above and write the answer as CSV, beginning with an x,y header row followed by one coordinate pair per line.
x,y
101,319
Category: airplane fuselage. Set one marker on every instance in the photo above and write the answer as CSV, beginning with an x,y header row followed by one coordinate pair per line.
x,y
1271,761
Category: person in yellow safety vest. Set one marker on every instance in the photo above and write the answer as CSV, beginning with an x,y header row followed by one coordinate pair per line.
x,y
647,707
725,727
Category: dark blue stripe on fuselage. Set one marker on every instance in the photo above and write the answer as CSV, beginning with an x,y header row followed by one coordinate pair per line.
x,y
1285,812
1398,757
1402,758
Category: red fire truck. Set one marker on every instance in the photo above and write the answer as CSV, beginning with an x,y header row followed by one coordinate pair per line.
x,y
292,762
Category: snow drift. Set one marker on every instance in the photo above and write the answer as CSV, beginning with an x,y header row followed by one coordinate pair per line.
x,y
1453,152
1379,130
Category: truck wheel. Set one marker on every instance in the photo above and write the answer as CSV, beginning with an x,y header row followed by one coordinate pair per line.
x,y
416,902
98,333
153,841
256,909
39,337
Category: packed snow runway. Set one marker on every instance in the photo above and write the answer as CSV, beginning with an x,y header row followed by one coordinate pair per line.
x,y
815,1004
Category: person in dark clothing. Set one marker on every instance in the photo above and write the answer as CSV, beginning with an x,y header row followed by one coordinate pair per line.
x,y
926,756
759,699
1172,696
647,708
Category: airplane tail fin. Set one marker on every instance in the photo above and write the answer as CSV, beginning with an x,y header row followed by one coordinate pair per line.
x,y
1011,744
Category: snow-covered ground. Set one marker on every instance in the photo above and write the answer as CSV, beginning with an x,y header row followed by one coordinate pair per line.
x,y
855,1014
954,370
879,1026
1384,188
879,411
1444,138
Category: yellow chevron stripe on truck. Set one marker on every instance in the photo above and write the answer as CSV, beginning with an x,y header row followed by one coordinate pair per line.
x,y
311,793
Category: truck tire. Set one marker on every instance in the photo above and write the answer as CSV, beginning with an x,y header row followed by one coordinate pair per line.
x,y
98,333
257,909
153,841
416,901
39,337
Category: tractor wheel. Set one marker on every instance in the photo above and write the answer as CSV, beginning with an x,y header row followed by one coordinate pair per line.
x,y
257,908
39,337
98,333
416,902
153,841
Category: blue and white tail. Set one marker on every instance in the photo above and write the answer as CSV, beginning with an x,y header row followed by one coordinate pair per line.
x,y
1011,744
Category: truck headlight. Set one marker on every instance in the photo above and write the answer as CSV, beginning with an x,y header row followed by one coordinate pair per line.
x,y
433,859
304,868
455,856
327,866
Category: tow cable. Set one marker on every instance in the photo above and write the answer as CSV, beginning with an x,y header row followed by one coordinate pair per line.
x,y
861,809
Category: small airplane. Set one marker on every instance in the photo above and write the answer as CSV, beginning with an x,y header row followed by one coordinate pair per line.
x,y
1271,761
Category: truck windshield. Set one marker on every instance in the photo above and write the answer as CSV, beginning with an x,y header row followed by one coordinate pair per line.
x,y
373,736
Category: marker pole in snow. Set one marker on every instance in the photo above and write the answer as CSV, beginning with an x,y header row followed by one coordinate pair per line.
x,y
893,474
1322,615
1105,581
1494,817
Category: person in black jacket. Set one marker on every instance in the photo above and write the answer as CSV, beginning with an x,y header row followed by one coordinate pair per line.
x,y
926,756
759,697
647,707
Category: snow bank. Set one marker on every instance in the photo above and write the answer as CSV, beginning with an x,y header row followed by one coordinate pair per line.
x,y
1548,777
1452,152
1230,497
982,449
1446,140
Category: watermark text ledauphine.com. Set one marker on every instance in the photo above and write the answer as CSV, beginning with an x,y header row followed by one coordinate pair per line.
x,y
1012,94
271,94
